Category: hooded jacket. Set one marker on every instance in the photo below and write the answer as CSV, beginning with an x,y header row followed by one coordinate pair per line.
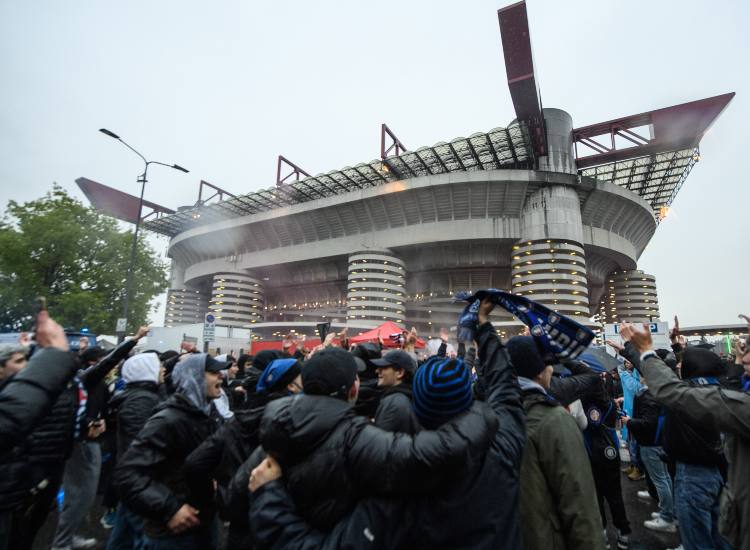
x,y
722,410
472,504
150,477
395,412
558,503
331,457
135,404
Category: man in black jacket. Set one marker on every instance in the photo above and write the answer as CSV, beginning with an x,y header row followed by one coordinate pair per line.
x,y
81,476
395,372
475,506
133,406
150,478
25,398
223,453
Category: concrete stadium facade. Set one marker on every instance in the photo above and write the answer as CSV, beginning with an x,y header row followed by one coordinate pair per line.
x,y
399,251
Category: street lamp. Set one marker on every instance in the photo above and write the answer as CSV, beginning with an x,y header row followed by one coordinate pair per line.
x,y
142,180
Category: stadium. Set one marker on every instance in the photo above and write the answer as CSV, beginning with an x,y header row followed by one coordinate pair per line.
x,y
553,211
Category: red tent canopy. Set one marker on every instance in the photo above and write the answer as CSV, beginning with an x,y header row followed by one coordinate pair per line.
x,y
384,331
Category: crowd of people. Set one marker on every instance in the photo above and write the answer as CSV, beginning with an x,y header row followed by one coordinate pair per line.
x,y
492,443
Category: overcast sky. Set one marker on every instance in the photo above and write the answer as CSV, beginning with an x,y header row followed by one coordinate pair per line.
x,y
222,88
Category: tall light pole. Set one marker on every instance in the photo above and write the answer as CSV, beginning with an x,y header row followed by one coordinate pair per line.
x,y
142,180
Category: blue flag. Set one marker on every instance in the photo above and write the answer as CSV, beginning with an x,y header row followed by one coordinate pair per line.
x,y
557,334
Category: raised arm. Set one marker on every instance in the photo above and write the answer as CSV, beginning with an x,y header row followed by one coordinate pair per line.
x,y
728,411
96,373
27,397
498,377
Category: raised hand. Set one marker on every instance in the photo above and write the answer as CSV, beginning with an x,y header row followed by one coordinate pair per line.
x,y
485,308
638,335
674,334
49,334
142,331
615,345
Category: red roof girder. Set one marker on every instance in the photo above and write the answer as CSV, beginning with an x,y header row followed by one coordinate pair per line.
x,y
672,128
519,67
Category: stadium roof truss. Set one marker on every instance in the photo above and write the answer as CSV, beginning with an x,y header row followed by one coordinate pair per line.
x,y
500,148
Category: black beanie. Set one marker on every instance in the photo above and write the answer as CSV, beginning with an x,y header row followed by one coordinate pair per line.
x,y
525,356
700,362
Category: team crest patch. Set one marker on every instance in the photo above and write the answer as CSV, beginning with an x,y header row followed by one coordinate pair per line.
x,y
595,415
610,453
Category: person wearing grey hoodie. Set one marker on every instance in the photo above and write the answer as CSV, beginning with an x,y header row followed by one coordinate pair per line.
x,y
133,406
151,479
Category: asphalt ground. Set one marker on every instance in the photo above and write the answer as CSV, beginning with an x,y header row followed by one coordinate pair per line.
x,y
638,512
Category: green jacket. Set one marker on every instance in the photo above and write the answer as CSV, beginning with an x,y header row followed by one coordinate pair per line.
x,y
727,411
558,496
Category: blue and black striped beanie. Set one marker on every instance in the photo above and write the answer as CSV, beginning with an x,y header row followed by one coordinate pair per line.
x,y
441,390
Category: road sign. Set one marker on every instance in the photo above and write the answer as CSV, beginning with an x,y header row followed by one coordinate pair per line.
x,y
121,324
209,327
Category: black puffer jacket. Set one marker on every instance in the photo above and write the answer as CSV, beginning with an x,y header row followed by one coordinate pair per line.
x,y
133,407
331,457
25,399
52,441
476,507
368,398
150,477
223,453
395,413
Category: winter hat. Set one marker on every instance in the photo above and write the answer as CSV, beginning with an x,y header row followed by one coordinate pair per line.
x,y
330,372
143,367
278,374
525,356
441,390
263,358
700,362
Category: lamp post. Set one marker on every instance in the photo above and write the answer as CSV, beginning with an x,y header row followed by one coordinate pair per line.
x,y
142,180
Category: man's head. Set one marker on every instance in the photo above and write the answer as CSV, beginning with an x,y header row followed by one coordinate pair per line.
x,y
143,367
331,372
263,358
367,352
12,360
215,369
281,375
231,371
394,368
83,343
91,355
525,356
699,362
441,390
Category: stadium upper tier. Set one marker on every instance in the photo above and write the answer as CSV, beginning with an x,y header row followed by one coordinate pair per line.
x,y
655,177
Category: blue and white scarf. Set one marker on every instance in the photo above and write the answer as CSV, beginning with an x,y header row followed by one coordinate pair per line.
x,y
558,335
